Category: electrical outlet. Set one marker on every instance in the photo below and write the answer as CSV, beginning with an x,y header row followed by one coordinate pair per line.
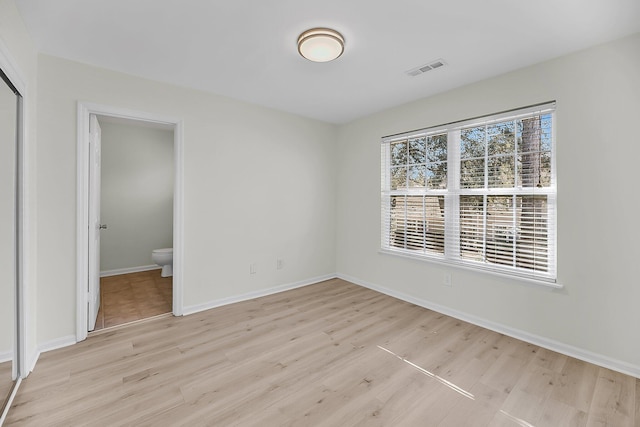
x,y
253,268
446,280
279,264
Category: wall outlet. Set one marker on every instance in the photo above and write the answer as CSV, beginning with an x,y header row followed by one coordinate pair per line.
x,y
446,280
253,268
279,264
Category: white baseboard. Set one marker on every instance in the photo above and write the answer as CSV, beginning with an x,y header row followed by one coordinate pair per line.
x,y
56,344
255,294
120,271
48,346
557,346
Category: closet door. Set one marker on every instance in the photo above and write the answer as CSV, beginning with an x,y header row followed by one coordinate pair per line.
x,y
9,103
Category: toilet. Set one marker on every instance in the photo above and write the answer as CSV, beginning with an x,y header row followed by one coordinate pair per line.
x,y
164,258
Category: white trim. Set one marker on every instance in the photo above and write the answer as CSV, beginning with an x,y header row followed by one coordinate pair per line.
x,y
31,362
56,344
49,346
6,356
255,294
82,203
119,271
24,232
557,346
178,218
82,221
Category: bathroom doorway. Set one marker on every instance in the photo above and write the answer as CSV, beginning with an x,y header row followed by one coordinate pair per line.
x,y
140,181
136,218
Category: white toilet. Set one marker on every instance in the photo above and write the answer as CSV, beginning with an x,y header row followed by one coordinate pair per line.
x,y
164,258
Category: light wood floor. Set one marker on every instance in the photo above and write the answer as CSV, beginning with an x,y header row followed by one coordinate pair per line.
x,y
330,354
6,383
129,297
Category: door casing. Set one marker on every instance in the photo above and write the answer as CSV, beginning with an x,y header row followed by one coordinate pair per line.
x,y
85,109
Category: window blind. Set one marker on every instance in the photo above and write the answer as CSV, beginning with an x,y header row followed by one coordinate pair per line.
x,y
479,193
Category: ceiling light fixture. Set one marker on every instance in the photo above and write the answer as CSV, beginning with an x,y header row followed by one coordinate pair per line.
x,y
320,44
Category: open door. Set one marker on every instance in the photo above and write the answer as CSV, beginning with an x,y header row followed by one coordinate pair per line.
x,y
94,221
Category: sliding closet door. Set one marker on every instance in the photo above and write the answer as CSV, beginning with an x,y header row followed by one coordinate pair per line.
x,y
9,102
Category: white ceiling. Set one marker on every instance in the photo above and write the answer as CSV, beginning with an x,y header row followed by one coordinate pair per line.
x,y
246,49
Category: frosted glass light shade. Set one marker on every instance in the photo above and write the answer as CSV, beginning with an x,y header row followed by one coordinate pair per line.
x,y
320,44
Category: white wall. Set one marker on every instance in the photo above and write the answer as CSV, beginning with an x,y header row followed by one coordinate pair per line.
x,y
258,184
137,194
16,44
598,105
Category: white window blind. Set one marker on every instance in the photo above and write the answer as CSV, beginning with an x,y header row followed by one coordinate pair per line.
x,y
479,193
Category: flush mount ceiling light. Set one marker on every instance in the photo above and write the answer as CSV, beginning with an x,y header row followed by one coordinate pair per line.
x,y
320,44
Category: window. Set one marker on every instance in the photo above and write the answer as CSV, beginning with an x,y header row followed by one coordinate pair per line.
x,y
479,193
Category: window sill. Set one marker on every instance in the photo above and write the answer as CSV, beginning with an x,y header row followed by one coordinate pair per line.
x,y
446,263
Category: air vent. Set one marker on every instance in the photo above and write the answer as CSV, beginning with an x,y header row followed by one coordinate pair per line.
x,y
428,67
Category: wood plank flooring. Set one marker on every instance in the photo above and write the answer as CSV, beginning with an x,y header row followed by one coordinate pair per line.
x,y
129,297
329,354
6,383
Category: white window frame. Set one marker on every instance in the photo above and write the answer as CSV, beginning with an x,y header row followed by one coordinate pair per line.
x,y
453,192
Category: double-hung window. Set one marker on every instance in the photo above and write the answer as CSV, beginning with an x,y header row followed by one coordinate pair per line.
x,y
479,193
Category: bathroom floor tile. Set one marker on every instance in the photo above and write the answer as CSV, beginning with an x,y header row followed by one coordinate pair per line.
x,y
135,296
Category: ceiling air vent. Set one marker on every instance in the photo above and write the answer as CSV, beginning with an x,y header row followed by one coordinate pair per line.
x,y
428,67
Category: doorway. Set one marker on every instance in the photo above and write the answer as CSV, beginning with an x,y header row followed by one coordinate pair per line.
x,y
88,297
136,218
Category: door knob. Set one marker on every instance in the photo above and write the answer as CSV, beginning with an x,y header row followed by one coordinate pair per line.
x,y
102,227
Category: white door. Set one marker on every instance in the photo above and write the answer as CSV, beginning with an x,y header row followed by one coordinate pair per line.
x,y
94,221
